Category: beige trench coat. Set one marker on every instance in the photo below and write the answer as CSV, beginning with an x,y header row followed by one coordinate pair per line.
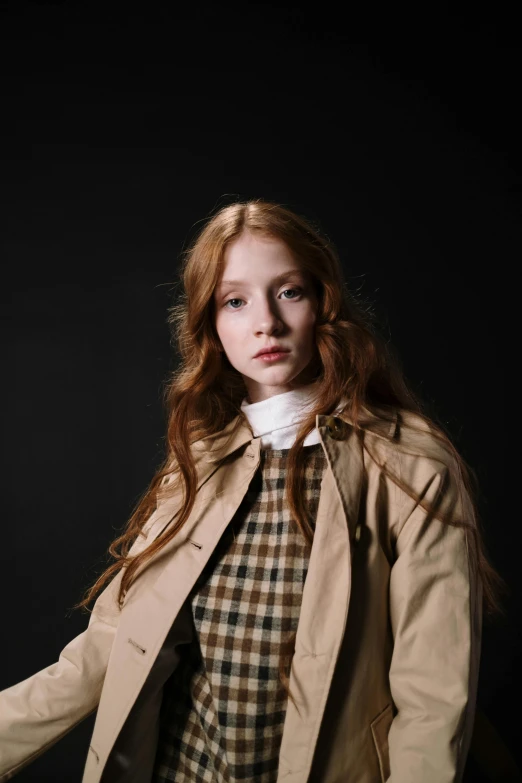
x,y
387,650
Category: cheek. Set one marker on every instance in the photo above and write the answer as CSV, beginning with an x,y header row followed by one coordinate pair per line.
x,y
226,333
305,322
307,330
220,324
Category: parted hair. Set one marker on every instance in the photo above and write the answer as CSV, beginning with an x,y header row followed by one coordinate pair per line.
x,y
352,363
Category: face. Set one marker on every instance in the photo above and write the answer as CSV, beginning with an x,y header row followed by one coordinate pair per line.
x,y
264,300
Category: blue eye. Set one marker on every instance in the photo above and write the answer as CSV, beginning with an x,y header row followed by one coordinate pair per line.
x,y
235,299
292,290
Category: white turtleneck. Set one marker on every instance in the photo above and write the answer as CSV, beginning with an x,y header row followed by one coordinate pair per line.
x,y
276,419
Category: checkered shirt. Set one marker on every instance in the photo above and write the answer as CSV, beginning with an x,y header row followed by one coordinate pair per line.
x,y
224,707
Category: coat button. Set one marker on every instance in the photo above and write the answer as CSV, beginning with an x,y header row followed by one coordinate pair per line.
x,y
337,428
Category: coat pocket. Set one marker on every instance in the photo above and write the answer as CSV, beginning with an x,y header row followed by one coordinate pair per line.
x,y
380,727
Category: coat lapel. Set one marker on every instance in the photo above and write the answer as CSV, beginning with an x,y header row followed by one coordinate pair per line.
x,y
326,598
207,453
157,596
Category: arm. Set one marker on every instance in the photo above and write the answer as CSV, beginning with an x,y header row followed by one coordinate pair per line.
x,y
37,712
435,607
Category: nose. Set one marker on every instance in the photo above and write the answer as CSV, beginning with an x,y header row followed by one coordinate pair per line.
x,y
267,319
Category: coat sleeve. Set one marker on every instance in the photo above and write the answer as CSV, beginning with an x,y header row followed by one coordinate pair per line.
x,y
37,712
435,608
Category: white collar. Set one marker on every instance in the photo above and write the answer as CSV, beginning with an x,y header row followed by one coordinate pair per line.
x,y
276,419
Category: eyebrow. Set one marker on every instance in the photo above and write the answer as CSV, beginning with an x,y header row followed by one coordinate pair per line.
x,y
276,280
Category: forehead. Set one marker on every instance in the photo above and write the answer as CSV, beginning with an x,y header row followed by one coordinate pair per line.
x,y
256,252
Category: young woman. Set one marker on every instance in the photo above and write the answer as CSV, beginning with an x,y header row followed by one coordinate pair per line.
x,y
298,595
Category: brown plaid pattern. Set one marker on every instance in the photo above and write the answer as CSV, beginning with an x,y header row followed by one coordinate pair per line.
x,y
224,708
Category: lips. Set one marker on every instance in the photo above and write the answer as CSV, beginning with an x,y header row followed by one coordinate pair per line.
x,y
271,349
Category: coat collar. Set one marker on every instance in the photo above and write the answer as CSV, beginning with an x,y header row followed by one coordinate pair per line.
x,y
216,447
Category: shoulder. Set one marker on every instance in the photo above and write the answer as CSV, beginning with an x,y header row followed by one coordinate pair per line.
x,y
409,439
424,467
409,453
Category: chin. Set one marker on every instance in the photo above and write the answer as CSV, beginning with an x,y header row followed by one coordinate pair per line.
x,y
275,379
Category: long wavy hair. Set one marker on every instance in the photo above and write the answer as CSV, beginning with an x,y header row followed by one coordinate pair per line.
x,y
352,362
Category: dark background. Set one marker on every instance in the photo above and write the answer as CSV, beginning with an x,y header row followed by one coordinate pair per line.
x,y
121,130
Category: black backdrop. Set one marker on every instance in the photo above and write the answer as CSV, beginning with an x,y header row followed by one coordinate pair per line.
x,y
121,129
